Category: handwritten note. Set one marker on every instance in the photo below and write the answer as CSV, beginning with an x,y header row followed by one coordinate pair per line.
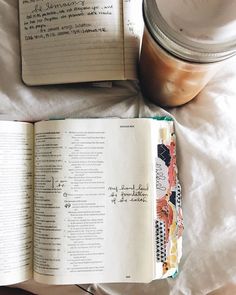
x,y
46,20
128,194
161,178
71,41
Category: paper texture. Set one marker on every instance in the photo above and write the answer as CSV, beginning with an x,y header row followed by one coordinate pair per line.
x,y
93,201
71,41
16,201
79,41
133,30
168,209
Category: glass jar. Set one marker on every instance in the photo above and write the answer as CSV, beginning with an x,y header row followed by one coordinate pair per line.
x,y
184,44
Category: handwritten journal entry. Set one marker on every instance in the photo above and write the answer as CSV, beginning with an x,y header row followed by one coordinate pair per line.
x,y
78,41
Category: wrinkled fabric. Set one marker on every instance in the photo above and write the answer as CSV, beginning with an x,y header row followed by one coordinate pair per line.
x,y
206,151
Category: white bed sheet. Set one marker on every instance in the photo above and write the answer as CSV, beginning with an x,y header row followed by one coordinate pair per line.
x,y
206,143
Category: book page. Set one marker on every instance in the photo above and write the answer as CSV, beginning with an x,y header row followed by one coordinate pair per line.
x,y
16,200
133,30
93,201
65,41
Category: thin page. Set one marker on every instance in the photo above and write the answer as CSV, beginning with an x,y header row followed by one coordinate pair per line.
x,y
133,30
93,201
71,41
16,200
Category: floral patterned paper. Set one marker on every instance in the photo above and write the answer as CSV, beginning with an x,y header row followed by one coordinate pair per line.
x,y
169,221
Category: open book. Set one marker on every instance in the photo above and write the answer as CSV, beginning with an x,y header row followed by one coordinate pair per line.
x,y
89,200
65,41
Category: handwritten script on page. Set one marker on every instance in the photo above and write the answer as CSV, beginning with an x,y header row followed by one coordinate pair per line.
x,y
71,41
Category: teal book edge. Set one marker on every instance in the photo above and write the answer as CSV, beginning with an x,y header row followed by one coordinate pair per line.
x,y
162,118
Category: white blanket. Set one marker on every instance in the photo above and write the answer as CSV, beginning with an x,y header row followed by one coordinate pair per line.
x,y
206,143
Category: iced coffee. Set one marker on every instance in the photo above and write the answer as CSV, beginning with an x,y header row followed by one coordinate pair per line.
x,y
169,81
184,44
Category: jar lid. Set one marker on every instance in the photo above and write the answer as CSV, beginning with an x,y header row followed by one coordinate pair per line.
x,y
193,30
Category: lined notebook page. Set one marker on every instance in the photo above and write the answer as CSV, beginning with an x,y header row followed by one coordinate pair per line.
x,y
133,29
68,41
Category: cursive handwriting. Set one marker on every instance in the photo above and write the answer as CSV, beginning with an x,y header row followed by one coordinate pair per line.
x,y
128,193
47,20
160,178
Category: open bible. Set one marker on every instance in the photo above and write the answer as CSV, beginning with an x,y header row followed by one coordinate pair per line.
x,y
89,200
65,41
